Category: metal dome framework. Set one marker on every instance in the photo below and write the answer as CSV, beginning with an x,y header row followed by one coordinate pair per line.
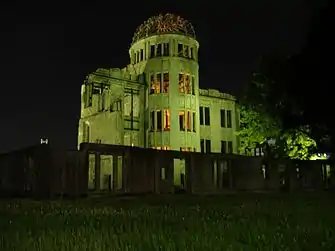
x,y
162,24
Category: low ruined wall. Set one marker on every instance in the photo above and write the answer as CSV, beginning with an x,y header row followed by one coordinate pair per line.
x,y
248,174
42,171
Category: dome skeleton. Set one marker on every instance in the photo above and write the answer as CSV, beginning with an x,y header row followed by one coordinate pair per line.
x,y
161,24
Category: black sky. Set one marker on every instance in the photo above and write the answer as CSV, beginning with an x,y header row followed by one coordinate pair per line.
x,y
46,51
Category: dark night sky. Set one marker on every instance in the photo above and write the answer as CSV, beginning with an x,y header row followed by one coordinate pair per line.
x,y
46,53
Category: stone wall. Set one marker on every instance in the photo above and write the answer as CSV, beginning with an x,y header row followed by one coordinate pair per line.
x,y
42,171
152,171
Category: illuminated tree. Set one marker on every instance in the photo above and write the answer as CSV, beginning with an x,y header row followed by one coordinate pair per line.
x,y
298,145
256,128
262,111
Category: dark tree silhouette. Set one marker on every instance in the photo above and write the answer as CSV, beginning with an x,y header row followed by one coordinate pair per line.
x,y
297,90
309,77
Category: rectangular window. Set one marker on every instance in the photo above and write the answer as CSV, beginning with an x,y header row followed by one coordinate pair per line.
x,y
230,147
138,57
103,100
180,50
136,105
182,121
208,146
89,94
152,121
258,150
201,114
166,82
134,57
158,83
166,51
191,53
194,122
229,119
127,104
96,90
193,85
159,120
159,50
84,95
223,118
152,83
86,133
207,116
163,174
142,54
181,83
202,145
167,121
186,52
223,147
152,51
188,121
187,84
162,148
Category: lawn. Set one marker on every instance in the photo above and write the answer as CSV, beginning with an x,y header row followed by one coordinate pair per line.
x,y
226,222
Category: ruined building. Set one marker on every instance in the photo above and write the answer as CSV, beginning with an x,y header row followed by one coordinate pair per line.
x,y
155,101
148,128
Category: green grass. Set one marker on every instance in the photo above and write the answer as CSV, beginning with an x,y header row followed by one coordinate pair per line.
x,y
227,222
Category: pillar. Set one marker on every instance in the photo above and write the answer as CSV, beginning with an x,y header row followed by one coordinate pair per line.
x,y
97,172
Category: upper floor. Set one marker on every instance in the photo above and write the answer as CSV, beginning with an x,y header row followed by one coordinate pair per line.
x,y
164,46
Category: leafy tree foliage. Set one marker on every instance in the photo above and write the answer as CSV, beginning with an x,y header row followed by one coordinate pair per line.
x,y
255,128
260,123
298,145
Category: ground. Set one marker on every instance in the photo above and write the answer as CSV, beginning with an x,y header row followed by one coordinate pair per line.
x,y
225,222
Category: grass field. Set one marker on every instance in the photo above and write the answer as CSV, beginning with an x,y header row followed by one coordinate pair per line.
x,y
229,222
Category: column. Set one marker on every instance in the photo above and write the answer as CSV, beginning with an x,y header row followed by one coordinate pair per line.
x,y
97,171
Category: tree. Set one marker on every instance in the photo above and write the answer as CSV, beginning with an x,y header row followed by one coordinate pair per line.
x,y
255,129
261,110
298,145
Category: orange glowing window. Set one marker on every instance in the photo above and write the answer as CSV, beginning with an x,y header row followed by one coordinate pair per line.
x,y
187,84
167,120
166,148
166,82
181,83
188,121
152,84
182,120
158,83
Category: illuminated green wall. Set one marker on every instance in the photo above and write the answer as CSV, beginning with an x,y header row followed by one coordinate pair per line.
x,y
173,100
216,133
110,96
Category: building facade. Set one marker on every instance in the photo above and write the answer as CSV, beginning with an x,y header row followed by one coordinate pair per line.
x,y
155,101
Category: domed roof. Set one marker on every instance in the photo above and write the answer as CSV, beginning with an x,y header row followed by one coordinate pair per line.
x,y
163,24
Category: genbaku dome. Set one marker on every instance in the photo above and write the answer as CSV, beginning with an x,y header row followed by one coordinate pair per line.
x,y
156,100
